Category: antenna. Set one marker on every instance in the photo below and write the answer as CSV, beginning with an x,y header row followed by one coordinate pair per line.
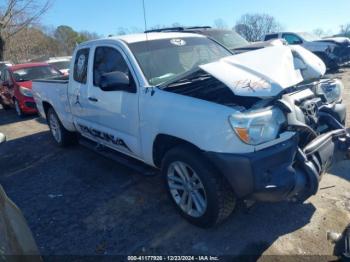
x,y
144,14
145,20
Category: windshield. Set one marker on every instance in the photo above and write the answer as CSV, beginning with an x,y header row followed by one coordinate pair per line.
x,y
309,37
165,59
228,38
32,73
60,65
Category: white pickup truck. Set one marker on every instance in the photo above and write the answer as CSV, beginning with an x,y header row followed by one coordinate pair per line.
x,y
257,126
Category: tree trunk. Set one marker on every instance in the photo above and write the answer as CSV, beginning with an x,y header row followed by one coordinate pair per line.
x,y
2,47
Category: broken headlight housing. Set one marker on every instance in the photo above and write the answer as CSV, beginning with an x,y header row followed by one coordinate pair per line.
x,y
258,126
331,90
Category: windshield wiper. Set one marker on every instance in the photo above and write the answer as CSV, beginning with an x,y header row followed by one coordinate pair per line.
x,y
187,78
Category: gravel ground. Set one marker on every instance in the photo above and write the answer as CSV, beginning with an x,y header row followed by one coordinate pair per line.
x,y
79,203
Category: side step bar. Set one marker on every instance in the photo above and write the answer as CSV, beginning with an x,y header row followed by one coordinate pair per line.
x,y
120,158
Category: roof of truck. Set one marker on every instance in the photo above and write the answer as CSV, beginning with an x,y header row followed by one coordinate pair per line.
x,y
152,36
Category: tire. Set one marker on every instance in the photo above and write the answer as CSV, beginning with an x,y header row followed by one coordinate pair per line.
x,y
209,185
61,135
19,111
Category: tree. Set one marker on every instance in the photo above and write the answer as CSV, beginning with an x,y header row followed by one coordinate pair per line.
x,y
132,30
319,32
220,24
16,15
345,30
39,43
67,39
254,26
86,36
31,43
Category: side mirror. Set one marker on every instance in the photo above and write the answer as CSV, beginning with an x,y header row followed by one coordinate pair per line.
x,y
2,138
115,81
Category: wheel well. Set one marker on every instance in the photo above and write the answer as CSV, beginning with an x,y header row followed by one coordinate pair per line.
x,y
46,107
163,143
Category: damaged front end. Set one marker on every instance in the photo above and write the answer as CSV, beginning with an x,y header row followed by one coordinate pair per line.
x,y
293,120
320,138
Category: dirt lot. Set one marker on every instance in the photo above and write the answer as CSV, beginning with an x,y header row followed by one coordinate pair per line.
x,y
77,202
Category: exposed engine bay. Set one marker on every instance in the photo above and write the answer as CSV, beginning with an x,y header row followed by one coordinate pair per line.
x,y
293,84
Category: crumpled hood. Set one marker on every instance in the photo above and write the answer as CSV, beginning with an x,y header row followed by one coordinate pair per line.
x,y
266,72
337,40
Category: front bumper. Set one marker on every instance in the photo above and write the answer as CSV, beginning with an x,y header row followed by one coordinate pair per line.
x,y
283,171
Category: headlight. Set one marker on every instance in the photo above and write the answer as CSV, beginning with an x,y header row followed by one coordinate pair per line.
x,y
257,127
331,90
25,91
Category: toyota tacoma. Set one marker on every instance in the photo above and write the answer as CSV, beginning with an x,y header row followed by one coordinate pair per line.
x,y
260,126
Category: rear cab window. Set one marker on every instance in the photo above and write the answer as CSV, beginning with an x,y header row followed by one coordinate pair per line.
x,y
81,65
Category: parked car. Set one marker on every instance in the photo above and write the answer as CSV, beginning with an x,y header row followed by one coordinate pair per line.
x,y
16,85
334,51
228,38
219,127
61,63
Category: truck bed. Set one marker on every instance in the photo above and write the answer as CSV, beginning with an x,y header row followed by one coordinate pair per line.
x,y
54,92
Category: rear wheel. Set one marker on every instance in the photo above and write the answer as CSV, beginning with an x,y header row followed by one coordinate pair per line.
x,y
61,135
199,192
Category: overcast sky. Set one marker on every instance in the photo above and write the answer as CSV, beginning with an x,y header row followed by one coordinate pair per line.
x,y
106,16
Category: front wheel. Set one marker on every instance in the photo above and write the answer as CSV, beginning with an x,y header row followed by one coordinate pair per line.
x,y
198,190
61,135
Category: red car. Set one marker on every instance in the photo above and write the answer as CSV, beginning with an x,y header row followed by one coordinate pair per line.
x,y
16,85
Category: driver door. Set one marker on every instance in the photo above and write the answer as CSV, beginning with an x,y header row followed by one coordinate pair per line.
x,y
117,115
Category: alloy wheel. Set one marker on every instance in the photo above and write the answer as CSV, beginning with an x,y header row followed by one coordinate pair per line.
x,y
187,189
55,128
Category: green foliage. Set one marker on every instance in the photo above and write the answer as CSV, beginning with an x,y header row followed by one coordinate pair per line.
x,y
34,43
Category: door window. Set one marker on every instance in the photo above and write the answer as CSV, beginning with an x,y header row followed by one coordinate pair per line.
x,y
81,65
292,39
107,60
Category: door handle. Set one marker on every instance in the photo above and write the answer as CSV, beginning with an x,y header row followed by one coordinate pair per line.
x,y
92,99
